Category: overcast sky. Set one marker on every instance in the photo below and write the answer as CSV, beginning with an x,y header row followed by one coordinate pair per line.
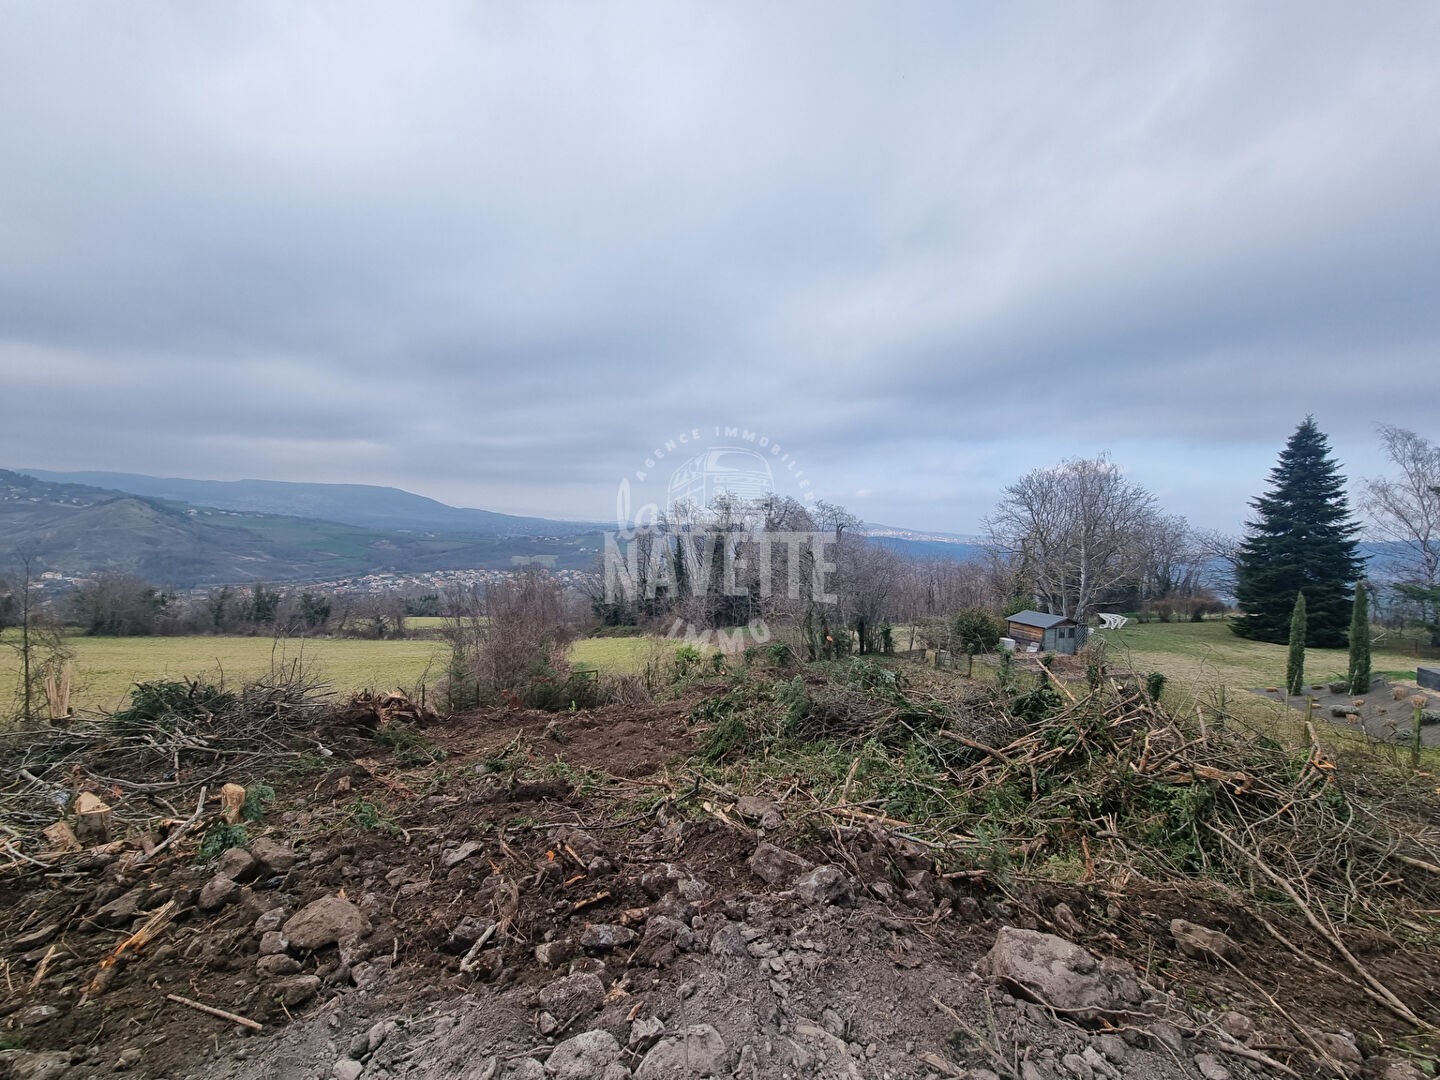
x,y
494,253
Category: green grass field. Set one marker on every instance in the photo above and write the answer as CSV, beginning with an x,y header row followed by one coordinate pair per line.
x,y
1205,654
107,667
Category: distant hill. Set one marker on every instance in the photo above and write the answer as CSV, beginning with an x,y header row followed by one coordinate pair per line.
x,y
365,505
79,529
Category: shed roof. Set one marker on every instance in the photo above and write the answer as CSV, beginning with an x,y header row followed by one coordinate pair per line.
x,y
1037,619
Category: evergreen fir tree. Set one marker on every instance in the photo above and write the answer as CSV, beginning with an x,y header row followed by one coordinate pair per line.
x,y
1360,642
1295,662
1302,539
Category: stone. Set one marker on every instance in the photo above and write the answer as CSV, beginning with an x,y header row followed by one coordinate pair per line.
x,y
754,808
378,1033
34,1065
1339,1046
1113,1047
347,1069
121,911
1238,1026
1052,971
1210,1067
35,1014
297,989
825,885
1200,942
604,937
326,921
1402,1070
129,1058
277,964
554,953
776,865
699,1051
238,865
645,1033
573,996
1098,1065
728,940
273,856
461,853
218,892
524,1069
465,933
583,1057
271,920
273,943
1077,1067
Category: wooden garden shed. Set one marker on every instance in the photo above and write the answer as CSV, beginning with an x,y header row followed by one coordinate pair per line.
x,y
1048,633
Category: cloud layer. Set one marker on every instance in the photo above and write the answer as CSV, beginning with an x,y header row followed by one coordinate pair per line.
x,y
493,253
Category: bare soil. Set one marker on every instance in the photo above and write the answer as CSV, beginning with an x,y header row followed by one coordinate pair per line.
x,y
593,819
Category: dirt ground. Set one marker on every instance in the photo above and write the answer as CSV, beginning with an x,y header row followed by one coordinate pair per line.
x,y
564,875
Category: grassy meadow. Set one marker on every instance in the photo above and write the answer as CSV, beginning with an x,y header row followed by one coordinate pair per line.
x,y
105,668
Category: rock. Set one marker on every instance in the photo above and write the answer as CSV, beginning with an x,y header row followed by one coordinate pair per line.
x,y
34,1065
728,940
573,996
776,865
1167,1033
347,1069
1238,1026
1098,1065
271,920
325,922
1210,1067
238,865
1113,1047
1077,1067
584,1057
754,808
296,990
277,964
645,1033
218,892
378,1033
554,953
35,1014
700,1051
825,885
273,943
1401,1070
1340,1047
466,932
1199,942
34,939
461,853
275,857
129,1058
1053,971
121,911
524,1069
603,937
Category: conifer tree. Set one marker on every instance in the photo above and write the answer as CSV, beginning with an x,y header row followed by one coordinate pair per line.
x,y
1360,642
1295,662
1301,540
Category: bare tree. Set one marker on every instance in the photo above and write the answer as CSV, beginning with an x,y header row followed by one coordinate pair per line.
x,y
1405,509
1077,529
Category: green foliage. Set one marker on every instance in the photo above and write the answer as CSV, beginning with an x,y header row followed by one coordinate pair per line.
x,y
220,838
257,797
1295,658
365,814
1301,540
1005,673
410,747
975,626
1155,685
168,703
1359,675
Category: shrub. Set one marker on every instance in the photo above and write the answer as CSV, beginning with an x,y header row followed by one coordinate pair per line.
x,y
977,626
